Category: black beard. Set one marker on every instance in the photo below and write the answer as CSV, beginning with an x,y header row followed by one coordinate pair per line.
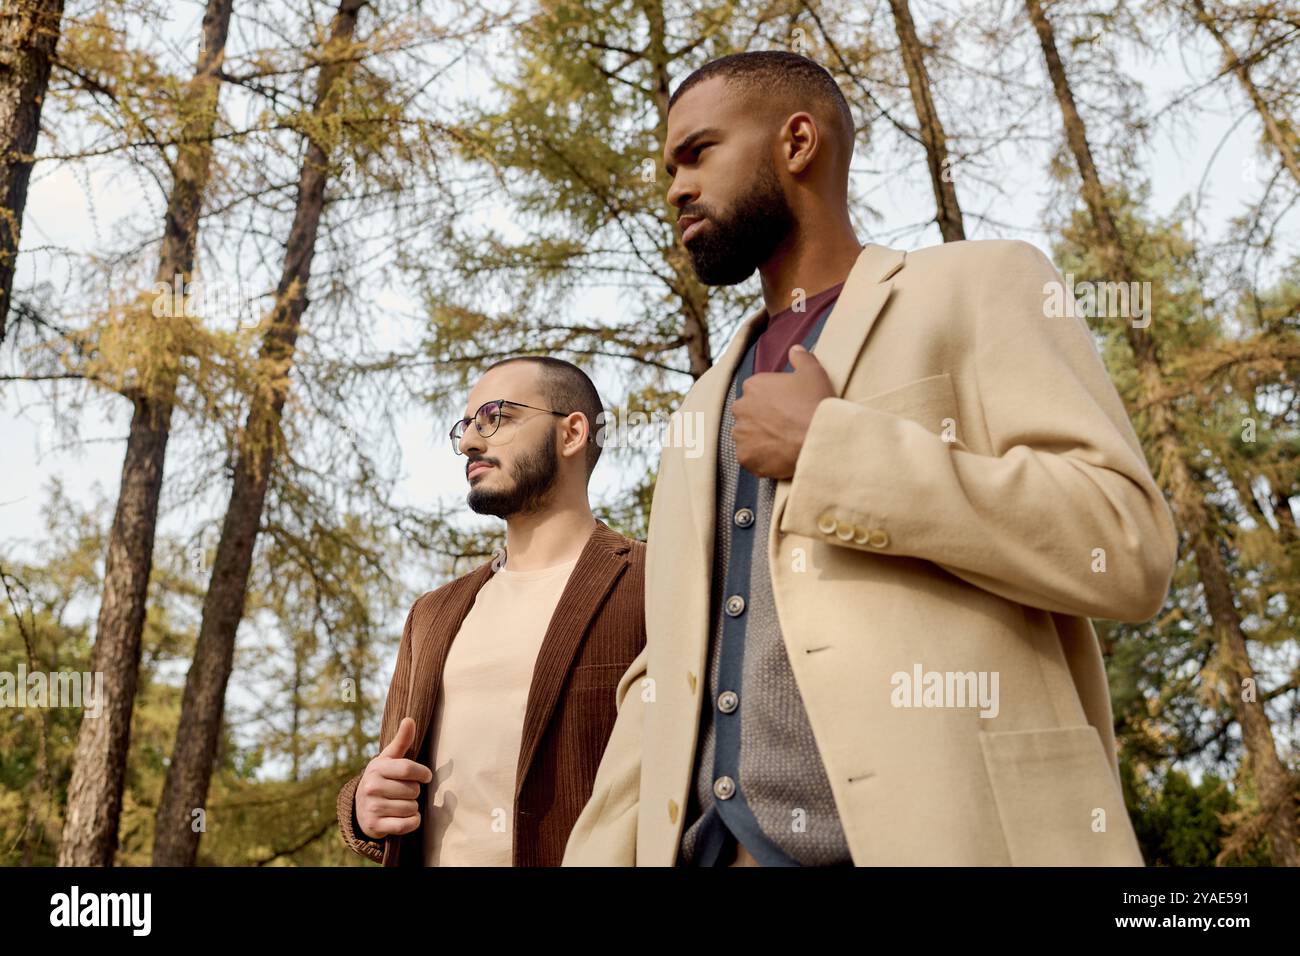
x,y
727,251
533,476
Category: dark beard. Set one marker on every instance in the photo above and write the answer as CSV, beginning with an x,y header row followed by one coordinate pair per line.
x,y
727,251
533,476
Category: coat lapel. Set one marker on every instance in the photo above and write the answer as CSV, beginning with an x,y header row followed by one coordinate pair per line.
x,y
430,651
599,566
430,645
706,399
859,304
842,339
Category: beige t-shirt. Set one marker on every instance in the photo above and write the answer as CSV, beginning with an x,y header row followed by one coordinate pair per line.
x,y
479,718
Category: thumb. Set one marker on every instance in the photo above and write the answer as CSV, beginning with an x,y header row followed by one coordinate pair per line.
x,y
801,357
402,740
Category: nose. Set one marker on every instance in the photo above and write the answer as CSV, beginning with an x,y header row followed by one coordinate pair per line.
x,y
681,192
472,441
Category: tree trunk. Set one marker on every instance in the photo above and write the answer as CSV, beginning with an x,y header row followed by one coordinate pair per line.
x,y
176,841
1274,782
948,212
29,31
99,765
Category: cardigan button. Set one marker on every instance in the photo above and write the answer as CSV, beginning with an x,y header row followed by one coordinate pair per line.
x,y
744,517
827,524
724,788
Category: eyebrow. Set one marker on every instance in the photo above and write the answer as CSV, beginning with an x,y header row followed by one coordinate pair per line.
x,y
687,143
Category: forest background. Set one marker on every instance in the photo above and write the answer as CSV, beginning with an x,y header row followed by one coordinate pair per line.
x,y
253,254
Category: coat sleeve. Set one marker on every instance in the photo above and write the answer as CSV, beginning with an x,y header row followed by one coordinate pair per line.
x,y
605,832
1063,515
353,836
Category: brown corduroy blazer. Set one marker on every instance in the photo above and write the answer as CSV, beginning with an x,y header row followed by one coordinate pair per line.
x,y
595,634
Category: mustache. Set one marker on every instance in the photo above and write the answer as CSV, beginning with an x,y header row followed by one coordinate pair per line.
x,y
696,212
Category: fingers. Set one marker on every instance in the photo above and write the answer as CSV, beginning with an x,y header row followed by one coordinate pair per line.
x,y
403,769
391,762
388,788
397,809
396,826
396,821
387,801
389,805
402,740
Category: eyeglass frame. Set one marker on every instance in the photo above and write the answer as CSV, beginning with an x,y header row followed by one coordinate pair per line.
x,y
455,442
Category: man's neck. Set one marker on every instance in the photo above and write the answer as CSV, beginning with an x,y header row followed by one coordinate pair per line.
x,y
811,263
547,538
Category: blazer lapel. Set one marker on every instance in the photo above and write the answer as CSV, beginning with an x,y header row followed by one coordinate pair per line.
x,y
844,335
859,304
430,645
599,566
430,651
706,399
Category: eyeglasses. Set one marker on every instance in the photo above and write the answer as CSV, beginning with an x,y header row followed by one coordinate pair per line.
x,y
487,419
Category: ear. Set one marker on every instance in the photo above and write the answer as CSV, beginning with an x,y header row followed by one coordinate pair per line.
x,y
800,142
574,435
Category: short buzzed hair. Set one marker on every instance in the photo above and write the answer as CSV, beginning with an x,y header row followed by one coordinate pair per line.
x,y
567,389
761,72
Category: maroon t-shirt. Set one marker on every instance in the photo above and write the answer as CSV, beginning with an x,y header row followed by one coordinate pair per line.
x,y
788,328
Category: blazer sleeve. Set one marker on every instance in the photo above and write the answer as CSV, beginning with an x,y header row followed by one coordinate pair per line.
x,y
353,837
1063,515
605,832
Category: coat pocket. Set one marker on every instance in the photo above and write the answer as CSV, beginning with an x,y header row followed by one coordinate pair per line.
x,y
1058,802
931,402
599,676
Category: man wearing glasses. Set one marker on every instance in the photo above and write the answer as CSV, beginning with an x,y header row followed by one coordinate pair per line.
x,y
503,697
